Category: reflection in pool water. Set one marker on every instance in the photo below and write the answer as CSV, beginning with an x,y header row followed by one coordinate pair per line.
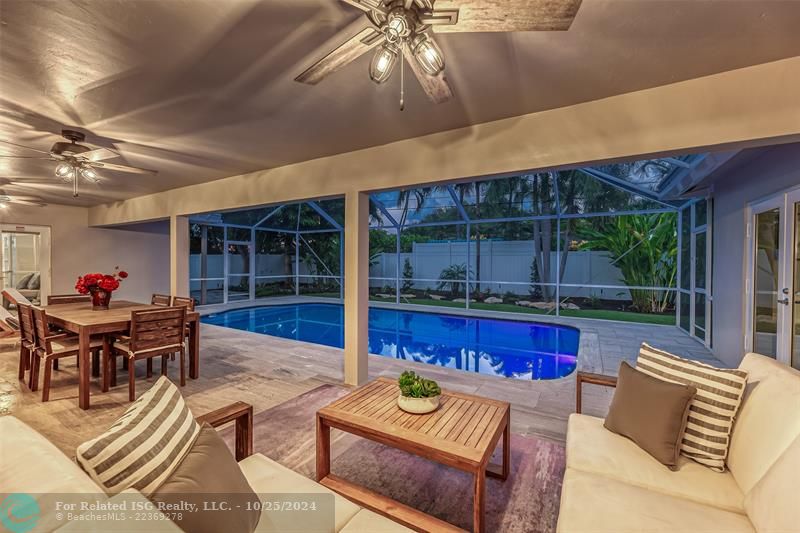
x,y
514,349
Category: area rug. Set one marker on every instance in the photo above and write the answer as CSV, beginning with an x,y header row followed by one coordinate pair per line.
x,y
526,502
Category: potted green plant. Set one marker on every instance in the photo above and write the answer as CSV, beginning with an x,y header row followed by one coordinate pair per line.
x,y
417,394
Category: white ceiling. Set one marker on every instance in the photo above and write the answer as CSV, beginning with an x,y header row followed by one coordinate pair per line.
x,y
203,89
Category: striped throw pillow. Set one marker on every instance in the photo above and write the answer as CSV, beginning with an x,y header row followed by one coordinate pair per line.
x,y
713,409
143,447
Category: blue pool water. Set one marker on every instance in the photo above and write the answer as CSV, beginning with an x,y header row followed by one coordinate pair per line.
x,y
513,349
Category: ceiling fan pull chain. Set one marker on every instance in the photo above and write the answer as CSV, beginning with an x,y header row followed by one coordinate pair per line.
x,y
402,78
75,185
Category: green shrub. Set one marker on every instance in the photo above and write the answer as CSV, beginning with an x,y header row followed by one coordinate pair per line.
x,y
414,386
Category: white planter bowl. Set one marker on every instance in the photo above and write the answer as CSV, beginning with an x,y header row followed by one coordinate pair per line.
x,y
418,406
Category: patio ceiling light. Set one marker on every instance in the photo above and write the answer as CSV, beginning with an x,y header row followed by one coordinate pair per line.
x,y
65,171
428,54
89,174
382,65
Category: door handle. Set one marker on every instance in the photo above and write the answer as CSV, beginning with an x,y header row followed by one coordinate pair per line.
x,y
784,301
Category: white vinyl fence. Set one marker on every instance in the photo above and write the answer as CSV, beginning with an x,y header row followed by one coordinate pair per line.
x,y
505,267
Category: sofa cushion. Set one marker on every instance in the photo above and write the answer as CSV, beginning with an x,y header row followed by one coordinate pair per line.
x,y
23,282
210,469
144,445
772,504
651,412
768,421
32,465
713,409
365,521
268,477
591,503
34,283
592,448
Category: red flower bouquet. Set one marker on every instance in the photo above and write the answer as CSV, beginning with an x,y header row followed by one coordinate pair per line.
x,y
100,286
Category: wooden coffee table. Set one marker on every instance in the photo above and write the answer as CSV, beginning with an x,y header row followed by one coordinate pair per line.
x,y
462,433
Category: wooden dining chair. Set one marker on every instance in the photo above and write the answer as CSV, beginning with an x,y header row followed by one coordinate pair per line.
x,y
160,299
14,297
188,303
182,301
51,347
56,299
153,333
9,324
27,343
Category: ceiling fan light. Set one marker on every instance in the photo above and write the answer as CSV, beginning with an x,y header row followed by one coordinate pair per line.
x,y
64,170
89,174
397,26
428,54
383,63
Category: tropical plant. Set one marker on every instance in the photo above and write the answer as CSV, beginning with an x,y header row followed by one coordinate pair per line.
x,y
408,275
414,386
645,249
535,289
453,279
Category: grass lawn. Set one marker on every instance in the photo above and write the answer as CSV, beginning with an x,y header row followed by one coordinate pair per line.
x,y
602,314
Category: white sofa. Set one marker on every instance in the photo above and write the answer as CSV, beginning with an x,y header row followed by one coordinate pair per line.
x,y
30,464
612,486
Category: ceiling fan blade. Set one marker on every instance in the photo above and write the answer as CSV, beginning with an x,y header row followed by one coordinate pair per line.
x,y
123,168
347,52
508,15
16,197
99,154
23,146
25,157
436,87
368,5
27,202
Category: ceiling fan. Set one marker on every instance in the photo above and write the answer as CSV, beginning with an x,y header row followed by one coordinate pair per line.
x,y
403,31
76,160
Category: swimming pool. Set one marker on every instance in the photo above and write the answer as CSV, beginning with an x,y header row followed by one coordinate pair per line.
x,y
507,348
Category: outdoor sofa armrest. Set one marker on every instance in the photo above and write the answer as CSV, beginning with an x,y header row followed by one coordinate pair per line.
x,y
242,413
591,379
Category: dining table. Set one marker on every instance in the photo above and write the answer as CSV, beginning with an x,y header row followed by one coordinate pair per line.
x,y
85,322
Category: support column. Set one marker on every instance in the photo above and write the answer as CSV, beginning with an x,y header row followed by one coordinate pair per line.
x,y
356,289
251,279
179,255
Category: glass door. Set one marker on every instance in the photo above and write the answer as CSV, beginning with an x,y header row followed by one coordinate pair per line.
x,y
766,231
25,260
773,284
793,274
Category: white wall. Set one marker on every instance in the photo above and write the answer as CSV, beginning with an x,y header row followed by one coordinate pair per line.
x,y
774,170
140,249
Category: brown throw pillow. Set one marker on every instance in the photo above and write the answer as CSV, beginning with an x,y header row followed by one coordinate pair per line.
x,y
650,412
209,475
